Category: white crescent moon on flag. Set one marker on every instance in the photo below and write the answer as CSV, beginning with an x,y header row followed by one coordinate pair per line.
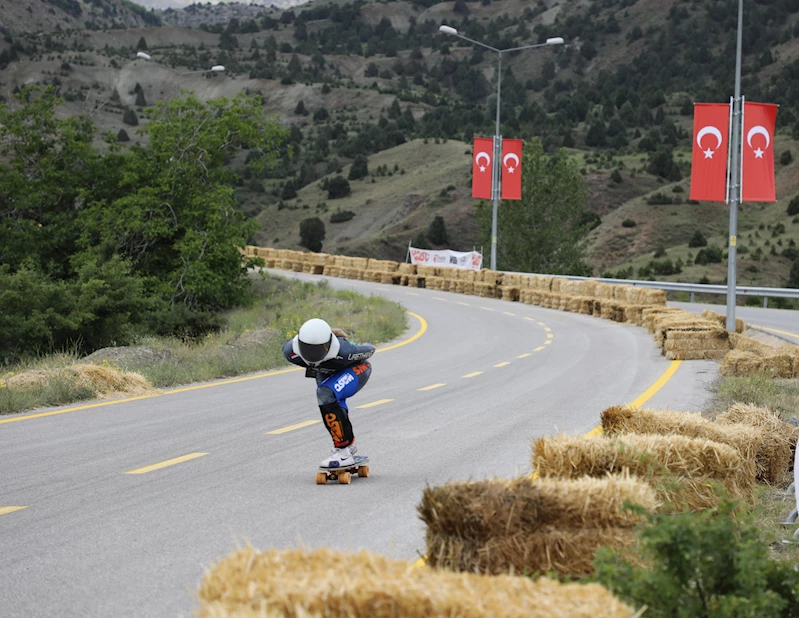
x,y
482,154
510,155
709,131
755,131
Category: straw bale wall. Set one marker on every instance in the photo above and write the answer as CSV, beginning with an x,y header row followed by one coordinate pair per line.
x,y
685,471
707,314
323,583
749,356
777,450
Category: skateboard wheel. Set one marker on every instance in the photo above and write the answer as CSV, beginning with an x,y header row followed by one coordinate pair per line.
x,y
321,478
344,478
363,471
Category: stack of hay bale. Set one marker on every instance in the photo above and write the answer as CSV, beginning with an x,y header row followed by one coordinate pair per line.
x,y
749,356
682,335
323,583
687,473
498,526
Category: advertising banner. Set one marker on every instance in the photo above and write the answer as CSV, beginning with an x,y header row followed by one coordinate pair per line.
x,y
445,257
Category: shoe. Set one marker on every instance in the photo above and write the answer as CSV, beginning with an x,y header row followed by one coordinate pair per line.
x,y
339,458
353,448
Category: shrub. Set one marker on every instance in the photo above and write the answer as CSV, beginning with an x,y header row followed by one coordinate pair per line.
x,y
702,565
710,255
337,187
437,232
697,240
786,158
312,233
628,223
341,215
793,206
359,168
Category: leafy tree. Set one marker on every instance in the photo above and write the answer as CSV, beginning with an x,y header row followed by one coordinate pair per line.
x,y
359,168
543,232
312,233
437,232
661,163
338,187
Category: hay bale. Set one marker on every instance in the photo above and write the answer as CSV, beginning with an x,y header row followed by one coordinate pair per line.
x,y
748,344
776,453
721,319
625,419
741,363
324,583
684,471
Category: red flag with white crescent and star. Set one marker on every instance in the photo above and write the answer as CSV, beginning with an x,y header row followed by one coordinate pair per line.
x,y
710,151
757,159
482,167
512,169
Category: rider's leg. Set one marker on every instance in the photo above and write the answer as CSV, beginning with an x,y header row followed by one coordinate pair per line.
x,y
332,394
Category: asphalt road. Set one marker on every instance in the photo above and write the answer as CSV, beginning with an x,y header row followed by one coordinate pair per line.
x,y
460,396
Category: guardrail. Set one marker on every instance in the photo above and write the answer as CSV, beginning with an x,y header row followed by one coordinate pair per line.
x,y
694,288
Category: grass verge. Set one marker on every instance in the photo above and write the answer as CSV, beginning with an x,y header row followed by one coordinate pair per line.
x,y
251,341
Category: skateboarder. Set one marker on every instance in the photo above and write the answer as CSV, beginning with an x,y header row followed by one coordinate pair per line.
x,y
341,370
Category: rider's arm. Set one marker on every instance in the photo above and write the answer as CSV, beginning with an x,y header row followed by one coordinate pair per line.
x,y
290,356
354,353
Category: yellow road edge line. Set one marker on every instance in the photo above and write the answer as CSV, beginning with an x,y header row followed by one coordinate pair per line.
x,y
525,355
539,348
165,464
5,510
374,403
774,330
275,432
502,364
471,375
25,417
432,386
419,563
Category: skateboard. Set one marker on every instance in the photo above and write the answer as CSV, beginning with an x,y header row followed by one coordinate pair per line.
x,y
344,473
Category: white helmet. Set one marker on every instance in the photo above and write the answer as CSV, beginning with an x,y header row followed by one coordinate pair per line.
x,y
316,342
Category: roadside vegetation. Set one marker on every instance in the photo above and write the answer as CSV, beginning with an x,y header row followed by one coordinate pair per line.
x,y
249,340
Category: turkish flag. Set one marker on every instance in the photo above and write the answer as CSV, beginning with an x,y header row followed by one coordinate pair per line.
x,y
512,169
710,149
482,167
757,159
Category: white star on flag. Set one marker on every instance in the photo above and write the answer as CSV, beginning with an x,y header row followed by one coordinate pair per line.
x,y
482,168
709,153
758,154
510,170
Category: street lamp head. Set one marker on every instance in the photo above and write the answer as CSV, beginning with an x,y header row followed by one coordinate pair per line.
x,y
447,30
143,56
217,68
555,40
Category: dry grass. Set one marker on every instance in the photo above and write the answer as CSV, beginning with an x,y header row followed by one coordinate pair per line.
x,y
324,583
101,380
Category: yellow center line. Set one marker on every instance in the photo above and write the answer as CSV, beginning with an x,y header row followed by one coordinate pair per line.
x,y
432,386
548,341
275,432
539,348
550,336
439,298
774,330
531,319
165,464
26,417
524,355
471,375
541,324
502,364
5,510
508,313
458,302
547,329
487,308
374,403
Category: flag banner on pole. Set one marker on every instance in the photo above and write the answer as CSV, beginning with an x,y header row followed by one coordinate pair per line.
x,y
482,167
757,159
456,259
512,169
710,152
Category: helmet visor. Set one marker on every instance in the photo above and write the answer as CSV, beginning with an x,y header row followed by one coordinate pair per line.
x,y
314,352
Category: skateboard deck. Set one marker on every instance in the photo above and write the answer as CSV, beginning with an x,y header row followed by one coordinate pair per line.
x,y
343,474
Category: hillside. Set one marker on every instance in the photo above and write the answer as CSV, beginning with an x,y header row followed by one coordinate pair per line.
x,y
378,80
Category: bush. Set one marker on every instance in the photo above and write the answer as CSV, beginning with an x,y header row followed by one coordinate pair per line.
x,y
312,233
338,186
129,117
705,565
793,206
709,255
359,168
615,176
628,223
697,240
786,158
341,215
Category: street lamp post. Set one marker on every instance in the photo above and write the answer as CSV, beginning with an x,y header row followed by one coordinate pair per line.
x,y
217,68
495,173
